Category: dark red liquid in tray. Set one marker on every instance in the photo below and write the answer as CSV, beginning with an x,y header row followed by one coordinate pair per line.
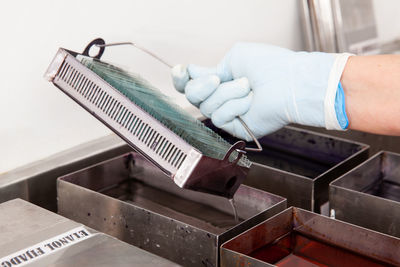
x,y
296,249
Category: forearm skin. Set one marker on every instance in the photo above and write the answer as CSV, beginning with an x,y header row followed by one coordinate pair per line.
x,y
372,92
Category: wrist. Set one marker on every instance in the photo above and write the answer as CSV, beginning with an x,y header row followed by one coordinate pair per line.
x,y
334,103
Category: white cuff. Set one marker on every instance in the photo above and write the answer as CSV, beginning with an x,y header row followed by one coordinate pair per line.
x,y
331,122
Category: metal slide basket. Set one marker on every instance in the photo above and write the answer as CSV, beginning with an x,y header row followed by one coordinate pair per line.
x,y
185,164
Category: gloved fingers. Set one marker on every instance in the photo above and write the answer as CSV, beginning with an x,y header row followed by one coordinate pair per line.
x,y
199,89
230,110
226,91
222,70
236,128
196,71
180,77
182,74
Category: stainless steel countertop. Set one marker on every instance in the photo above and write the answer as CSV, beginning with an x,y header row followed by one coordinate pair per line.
x,y
28,225
36,182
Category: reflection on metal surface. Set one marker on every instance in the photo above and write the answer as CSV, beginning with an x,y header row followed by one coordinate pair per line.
x,y
299,165
317,18
137,193
36,182
355,25
296,236
369,195
139,206
339,26
29,225
343,26
322,19
376,142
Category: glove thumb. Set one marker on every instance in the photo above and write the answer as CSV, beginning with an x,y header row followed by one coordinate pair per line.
x,y
180,77
221,70
182,74
196,71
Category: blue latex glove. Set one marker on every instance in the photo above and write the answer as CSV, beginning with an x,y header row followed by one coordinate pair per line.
x,y
268,87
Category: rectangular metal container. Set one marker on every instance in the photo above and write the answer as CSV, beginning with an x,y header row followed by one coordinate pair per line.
x,y
25,229
299,164
376,142
36,182
297,237
130,199
369,195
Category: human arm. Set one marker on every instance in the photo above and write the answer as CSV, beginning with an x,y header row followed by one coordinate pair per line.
x,y
284,87
372,92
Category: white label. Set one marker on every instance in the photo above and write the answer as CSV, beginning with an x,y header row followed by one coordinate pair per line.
x,y
45,248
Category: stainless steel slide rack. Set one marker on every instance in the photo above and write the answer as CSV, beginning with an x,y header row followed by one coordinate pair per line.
x,y
185,164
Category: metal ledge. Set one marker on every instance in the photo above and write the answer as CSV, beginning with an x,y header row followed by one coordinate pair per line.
x,y
36,182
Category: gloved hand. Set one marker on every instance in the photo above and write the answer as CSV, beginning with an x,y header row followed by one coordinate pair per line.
x,y
268,87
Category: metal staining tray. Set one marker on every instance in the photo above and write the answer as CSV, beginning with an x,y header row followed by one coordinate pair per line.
x,y
297,237
127,197
369,195
299,164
